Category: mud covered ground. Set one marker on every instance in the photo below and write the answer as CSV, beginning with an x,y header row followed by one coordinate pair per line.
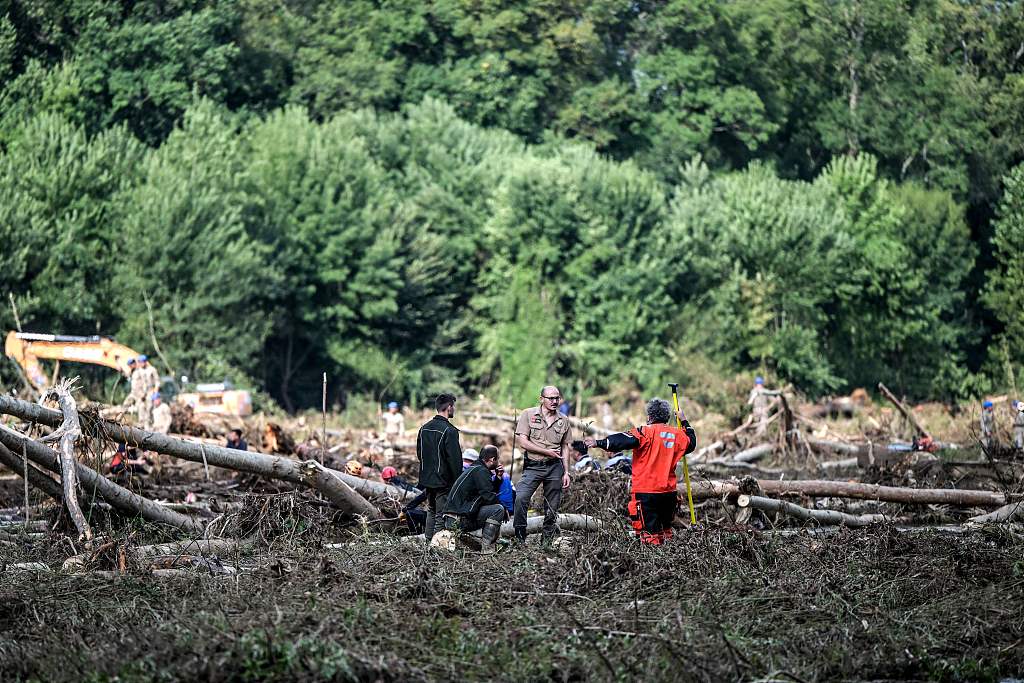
x,y
315,601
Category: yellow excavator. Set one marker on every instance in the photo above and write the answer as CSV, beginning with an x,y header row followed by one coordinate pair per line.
x,y
26,349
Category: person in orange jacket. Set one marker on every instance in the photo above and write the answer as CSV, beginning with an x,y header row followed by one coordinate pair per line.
x,y
657,448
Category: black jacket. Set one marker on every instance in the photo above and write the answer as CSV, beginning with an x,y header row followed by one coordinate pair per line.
x,y
439,453
472,489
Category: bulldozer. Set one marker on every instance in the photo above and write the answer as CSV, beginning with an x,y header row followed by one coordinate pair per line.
x,y
27,349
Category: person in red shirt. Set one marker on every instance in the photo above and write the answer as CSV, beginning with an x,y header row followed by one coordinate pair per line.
x,y
657,448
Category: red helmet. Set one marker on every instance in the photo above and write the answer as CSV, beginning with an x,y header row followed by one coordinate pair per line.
x,y
388,472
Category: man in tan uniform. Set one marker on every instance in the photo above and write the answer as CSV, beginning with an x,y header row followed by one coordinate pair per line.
x,y
136,395
760,402
161,415
542,433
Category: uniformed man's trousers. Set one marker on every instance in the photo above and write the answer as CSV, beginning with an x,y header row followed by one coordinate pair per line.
x,y
546,472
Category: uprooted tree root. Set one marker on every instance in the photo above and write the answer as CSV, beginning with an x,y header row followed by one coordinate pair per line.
x,y
714,604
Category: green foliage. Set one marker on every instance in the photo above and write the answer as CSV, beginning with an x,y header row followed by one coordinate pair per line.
x,y
474,194
185,250
1005,291
58,193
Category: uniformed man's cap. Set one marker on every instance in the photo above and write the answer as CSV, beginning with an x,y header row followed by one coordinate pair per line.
x,y
986,404
142,358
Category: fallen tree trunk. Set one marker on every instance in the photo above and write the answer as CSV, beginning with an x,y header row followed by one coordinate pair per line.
x,y
703,490
903,410
840,447
819,516
566,522
839,464
307,473
68,433
121,499
490,433
704,452
1007,513
755,453
35,477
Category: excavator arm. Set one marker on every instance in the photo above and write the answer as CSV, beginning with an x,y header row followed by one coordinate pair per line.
x,y
27,349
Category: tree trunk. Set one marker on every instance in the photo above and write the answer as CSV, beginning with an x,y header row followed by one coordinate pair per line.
x,y
308,473
703,490
903,410
36,478
69,432
819,516
121,499
1007,513
754,454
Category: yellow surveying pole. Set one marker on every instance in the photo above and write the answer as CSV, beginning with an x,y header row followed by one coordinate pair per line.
x,y
686,469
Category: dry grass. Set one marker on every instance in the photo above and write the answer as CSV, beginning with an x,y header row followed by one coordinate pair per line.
x,y
716,604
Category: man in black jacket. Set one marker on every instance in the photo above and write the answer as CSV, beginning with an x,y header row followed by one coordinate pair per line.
x,y
440,456
473,502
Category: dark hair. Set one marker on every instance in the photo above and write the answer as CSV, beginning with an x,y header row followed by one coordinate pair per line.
x,y
488,452
442,402
238,432
658,411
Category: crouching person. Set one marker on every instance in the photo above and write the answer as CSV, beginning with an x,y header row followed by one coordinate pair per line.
x,y
473,502
657,448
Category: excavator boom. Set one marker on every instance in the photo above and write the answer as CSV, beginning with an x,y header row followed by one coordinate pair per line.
x,y
27,349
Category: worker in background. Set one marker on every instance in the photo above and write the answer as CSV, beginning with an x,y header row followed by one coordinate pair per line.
x,y
988,423
235,441
506,490
137,393
390,477
657,448
161,415
394,423
542,433
150,377
127,461
585,463
760,401
473,502
469,458
1018,425
620,462
413,516
440,458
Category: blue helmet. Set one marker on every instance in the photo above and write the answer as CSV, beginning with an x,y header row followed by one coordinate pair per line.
x,y
986,404
154,396
393,404
142,358
759,380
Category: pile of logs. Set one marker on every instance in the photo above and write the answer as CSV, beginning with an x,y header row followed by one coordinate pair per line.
x,y
60,475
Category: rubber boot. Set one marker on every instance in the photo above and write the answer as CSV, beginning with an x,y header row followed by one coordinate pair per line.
x,y
489,535
428,526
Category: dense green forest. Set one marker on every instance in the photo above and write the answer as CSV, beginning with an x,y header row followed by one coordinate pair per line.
x,y
485,194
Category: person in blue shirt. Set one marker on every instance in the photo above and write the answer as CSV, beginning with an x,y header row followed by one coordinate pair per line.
x,y
507,492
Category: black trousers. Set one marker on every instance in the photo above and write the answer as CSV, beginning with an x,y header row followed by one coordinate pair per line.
x,y
653,512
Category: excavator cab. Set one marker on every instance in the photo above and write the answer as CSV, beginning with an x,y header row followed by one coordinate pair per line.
x,y
218,398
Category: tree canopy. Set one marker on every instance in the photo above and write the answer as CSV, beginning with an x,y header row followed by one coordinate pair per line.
x,y
441,194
